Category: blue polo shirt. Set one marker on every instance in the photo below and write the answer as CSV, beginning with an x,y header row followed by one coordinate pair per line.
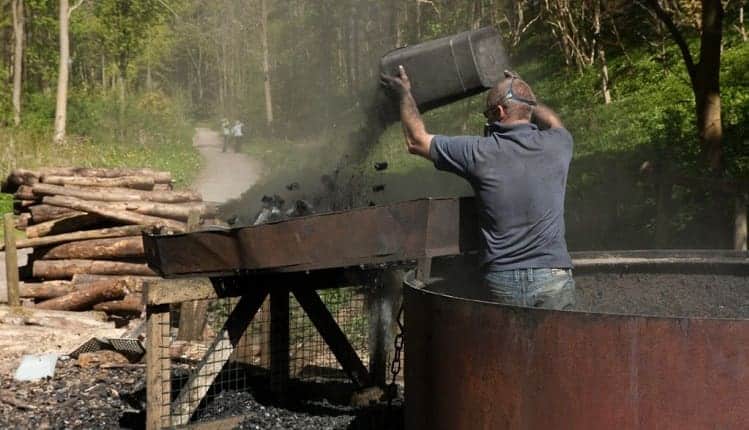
x,y
519,175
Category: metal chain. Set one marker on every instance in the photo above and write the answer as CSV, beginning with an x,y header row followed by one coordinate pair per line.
x,y
395,366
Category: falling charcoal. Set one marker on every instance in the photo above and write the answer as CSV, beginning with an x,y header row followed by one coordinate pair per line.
x,y
381,165
293,186
378,188
300,208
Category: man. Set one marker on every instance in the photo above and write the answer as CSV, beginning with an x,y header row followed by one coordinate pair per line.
x,y
518,172
236,131
226,131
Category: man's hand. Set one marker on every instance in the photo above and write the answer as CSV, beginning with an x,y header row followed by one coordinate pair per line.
x,y
418,141
545,118
398,85
509,74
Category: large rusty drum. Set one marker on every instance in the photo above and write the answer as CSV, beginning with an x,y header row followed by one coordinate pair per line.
x,y
658,339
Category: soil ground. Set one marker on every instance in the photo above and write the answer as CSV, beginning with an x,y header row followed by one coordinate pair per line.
x,y
225,175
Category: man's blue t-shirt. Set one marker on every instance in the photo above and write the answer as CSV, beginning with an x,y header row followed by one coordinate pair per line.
x,y
519,176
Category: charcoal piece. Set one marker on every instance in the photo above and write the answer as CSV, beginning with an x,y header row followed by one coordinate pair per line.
x,y
381,165
292,186
300,208
378,188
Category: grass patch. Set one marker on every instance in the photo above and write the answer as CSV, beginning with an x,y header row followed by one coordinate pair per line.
x,y
152,132
28,149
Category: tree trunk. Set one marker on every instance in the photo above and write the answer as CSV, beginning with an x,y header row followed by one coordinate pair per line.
x,y
664,189
62,76
122,82
45,290
266,62
101,233
131,305
65,269
68,224
742,29
740,223
134,283
177,211
42,213
19,22
707,91
159,176
31,177
604,75
136,182
113,194
18,177
22,221
85,298
704,76
104,249
25,192
103,75
126,217
23,205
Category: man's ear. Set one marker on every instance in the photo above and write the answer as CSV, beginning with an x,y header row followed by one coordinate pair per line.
x,y
502,112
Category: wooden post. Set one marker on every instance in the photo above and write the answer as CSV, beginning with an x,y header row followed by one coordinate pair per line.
x,y
279,341
192,315
11,261
158,372
740,223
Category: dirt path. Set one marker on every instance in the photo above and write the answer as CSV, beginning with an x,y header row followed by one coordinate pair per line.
x,y
225,175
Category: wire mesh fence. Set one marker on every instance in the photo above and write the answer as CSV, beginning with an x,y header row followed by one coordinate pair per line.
x,y
203,372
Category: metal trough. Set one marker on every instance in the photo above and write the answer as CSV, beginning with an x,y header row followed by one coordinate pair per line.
x,y
683,362
369,236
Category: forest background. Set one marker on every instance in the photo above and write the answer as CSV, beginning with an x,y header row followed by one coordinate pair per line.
x,y
655,92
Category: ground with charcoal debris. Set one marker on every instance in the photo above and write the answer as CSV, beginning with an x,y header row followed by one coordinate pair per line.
x,y
85,398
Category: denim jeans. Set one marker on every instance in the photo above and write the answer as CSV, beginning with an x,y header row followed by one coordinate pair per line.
x,y
538,288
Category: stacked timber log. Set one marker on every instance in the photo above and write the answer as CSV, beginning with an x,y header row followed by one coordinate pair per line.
x,y
85,226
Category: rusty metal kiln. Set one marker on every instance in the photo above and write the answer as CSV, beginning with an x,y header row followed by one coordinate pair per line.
x,y
659,339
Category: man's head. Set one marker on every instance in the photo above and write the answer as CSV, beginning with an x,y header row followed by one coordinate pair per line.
x,y
511,100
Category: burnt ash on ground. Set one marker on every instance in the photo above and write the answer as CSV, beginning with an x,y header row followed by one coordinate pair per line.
x,y
74,398
88,398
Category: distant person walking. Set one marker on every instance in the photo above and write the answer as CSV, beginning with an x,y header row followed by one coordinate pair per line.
x,y
226,130
236,131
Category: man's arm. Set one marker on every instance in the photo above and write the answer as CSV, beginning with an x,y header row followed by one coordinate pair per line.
x,y
546,118
418,141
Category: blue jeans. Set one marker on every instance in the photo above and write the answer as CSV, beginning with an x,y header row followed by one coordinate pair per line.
x,y
536,288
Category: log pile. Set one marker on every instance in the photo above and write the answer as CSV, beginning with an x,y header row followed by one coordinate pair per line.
x,y
85,225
